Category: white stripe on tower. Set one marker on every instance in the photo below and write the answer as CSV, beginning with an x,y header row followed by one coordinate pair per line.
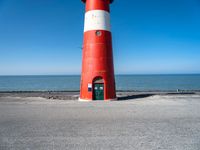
x,y
97,20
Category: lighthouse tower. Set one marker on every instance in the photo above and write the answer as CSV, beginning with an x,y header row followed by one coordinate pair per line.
x,y
97,79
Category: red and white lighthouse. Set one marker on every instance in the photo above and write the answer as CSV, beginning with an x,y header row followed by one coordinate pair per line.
x,y
97,79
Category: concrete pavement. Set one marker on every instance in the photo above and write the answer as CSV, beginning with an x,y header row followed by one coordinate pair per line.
x,y
169,122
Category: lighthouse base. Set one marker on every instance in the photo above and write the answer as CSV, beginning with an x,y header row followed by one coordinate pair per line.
x,y
90,100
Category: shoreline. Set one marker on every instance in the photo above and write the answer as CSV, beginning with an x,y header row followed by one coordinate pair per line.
x,y
74,95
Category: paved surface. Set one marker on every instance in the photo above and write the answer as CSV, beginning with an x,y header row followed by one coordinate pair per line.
x,y
151,123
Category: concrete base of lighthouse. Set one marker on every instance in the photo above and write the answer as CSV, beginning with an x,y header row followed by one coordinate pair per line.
x,y
88,100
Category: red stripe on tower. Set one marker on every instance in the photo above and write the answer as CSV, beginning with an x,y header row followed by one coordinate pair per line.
x,y
97,78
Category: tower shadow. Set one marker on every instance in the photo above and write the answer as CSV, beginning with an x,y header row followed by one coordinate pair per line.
x,y
131,97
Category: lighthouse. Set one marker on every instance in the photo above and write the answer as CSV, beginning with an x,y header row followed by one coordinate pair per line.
x,y
97,78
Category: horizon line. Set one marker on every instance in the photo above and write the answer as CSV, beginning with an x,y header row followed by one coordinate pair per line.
x,y
115,74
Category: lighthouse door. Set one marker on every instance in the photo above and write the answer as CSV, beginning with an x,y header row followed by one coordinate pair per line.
x,y
98,91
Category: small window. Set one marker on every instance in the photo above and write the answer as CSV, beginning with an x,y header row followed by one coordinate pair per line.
x,y
98,33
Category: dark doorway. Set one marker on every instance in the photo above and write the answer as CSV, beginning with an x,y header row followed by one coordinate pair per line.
x,y
98,91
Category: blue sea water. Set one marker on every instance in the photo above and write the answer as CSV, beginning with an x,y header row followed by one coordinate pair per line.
x,y
123,82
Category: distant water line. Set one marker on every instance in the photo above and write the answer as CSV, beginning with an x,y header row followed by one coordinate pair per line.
x,y
123,83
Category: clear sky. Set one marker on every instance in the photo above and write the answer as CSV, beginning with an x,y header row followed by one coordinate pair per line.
x,y
149,36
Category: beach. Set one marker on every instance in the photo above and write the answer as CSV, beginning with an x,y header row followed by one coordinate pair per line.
x,y
145,121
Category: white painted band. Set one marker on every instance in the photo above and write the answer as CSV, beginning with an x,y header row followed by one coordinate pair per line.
x,y
97,20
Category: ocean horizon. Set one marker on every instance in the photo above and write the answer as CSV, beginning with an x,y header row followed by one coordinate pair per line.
x,y
125,82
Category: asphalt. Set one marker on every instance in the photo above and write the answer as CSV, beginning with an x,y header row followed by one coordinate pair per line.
x,y
159,122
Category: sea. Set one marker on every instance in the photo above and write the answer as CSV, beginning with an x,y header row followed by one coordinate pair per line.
x,y
123,83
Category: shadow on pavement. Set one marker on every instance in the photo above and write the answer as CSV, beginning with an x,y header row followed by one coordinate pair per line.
x,y
129,97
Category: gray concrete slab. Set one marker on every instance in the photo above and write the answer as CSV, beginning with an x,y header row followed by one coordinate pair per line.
x,y
157,122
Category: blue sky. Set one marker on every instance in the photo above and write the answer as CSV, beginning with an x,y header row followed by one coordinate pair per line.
x,y
149,36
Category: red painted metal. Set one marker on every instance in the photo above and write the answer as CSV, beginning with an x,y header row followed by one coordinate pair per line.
x,y
97,5
109,0
97,58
